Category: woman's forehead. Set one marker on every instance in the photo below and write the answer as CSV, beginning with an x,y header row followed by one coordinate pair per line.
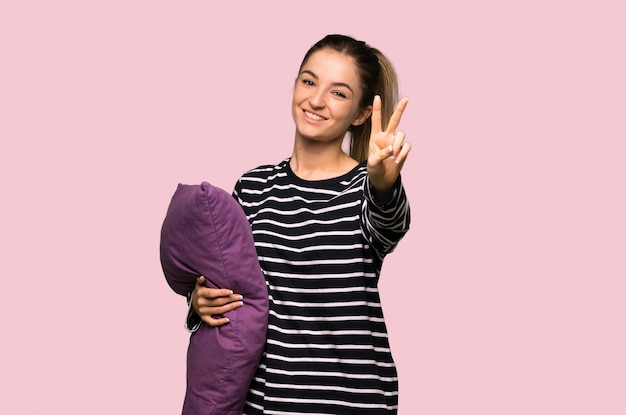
x,y
332,65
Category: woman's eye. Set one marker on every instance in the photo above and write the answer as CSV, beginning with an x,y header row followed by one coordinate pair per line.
x,y
339,94
307,82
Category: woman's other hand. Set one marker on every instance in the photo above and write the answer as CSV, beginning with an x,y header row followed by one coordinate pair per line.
x,y
387,151
212,303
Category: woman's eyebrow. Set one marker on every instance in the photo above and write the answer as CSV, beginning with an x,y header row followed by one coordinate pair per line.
x,y
312,74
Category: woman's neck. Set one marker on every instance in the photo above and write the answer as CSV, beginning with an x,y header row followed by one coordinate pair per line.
x,y
319,162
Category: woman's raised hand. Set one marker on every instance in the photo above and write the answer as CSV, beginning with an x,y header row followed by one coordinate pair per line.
x,y
387,151
211,303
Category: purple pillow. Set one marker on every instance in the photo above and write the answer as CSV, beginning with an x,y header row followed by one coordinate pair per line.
x,y
205,232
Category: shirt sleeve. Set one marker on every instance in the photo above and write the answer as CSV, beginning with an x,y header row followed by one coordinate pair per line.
x,y
384,224
193,321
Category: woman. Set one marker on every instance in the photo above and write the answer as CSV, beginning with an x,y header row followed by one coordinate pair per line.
x,y
322,222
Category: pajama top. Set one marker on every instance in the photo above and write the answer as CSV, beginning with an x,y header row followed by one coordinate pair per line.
x,y
321,246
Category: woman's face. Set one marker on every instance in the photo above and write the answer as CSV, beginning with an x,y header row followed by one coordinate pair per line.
x,y
326,97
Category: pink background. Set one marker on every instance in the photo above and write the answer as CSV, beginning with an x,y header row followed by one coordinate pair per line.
x,y
507,296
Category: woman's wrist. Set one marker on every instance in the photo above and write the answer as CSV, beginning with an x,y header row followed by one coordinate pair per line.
x,y
382,196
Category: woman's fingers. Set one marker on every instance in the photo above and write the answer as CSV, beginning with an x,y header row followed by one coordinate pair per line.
x,y
212,303
394,121
395,117
398,140
397,151
215,322
403,154
200,281
376,117
215,296
214,315
388,150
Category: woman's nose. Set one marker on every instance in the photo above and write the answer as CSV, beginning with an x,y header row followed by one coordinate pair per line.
x,y
317,99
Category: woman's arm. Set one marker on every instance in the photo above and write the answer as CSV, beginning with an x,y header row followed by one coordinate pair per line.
x,y
385,214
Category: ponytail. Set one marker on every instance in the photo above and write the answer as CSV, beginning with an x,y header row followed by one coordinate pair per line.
x,y
387,89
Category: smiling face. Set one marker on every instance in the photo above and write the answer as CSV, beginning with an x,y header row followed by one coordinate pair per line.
x,y
326,97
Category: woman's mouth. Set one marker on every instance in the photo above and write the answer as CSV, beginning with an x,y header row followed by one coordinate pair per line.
x,y
313,116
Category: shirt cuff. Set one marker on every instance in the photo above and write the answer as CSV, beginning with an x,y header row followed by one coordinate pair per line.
x,y
193,321
369,194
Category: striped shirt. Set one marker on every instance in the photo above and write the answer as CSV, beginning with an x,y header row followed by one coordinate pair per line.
x,y
321,246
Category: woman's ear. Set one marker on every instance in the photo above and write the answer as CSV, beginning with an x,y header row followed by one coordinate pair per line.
x,y
363,115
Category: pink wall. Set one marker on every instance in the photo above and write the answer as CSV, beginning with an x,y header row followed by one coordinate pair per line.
x,y
507,297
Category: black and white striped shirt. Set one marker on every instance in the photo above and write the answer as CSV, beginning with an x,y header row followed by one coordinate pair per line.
x,y
321,245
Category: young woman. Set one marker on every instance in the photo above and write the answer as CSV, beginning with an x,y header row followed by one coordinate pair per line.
x,y
322,222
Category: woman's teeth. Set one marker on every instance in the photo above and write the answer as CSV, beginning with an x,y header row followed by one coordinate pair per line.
x,y
313,116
